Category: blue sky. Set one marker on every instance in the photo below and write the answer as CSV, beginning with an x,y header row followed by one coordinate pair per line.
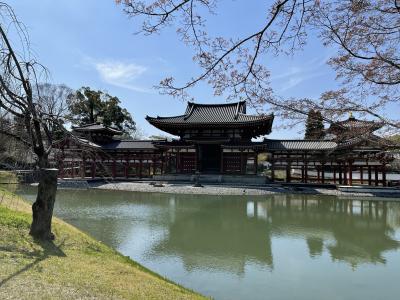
x,y
92,43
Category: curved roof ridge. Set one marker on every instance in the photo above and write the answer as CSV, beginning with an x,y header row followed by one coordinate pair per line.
x,y
217,104
158,117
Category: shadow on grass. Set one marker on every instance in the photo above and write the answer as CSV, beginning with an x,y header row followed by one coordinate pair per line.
x,y
49,249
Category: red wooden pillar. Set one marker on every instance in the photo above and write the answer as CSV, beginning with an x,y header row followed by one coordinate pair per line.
x,y
376,176
140,167
114,168
61,164
345,174
306,172
221,166
272,168
288,175
83,166
361,175
72,168
350,173
323,173
161,159
340,174
302,173
334,174
369,175
384,182
241,162
256,162
127,167
318,174
94,168
178,162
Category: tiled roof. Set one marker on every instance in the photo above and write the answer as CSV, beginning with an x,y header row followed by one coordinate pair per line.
x,y
299,145
371,140
231,113
356,125
95,127
85,142
130,144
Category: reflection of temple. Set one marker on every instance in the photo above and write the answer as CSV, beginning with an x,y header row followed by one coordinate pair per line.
x,y
216,238
352,231
224,238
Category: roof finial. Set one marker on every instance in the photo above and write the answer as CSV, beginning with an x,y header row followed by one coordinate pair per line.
x,y
351,115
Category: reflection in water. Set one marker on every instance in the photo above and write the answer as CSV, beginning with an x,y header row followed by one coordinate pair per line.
x,y
213,236
236,247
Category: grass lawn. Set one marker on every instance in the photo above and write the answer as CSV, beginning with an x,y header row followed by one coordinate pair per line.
x,y
8,177
75,266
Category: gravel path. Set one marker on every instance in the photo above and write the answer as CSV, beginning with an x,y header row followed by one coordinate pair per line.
x,y
180,188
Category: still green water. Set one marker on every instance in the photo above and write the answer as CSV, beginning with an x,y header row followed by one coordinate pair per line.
x,y
228,247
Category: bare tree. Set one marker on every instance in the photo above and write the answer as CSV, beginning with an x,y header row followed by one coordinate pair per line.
x,y
21,97
365,33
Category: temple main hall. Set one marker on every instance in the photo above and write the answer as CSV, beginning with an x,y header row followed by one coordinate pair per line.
x,y
223,141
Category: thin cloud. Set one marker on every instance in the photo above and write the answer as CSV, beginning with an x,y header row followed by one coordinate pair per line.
x,y
298,74
119,73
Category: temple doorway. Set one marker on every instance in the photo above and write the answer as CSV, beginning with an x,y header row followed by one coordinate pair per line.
x,y
210,158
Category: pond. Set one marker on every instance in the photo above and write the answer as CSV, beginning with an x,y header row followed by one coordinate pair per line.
x,y
241,247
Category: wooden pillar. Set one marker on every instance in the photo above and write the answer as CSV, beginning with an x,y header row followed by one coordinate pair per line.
x,y
288,175
306,172
384,182
221,167
369,175
161,158
241,162
114,168
61,164
272,168
127,167
323,173
361,175
376,176
302,173
350,173
334,174
345,174
140,167
178,162
94,168
256,162
72,168
318,174
340,174
83,168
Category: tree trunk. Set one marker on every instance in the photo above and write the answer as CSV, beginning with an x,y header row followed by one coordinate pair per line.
x,y
42,209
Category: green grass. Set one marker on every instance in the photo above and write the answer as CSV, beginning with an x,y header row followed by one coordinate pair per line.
x,y
8,177
74,266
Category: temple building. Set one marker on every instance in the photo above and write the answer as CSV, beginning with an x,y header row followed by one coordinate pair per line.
x,y
219,140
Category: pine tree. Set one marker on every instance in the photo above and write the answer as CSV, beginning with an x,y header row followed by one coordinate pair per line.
x,y
314,126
